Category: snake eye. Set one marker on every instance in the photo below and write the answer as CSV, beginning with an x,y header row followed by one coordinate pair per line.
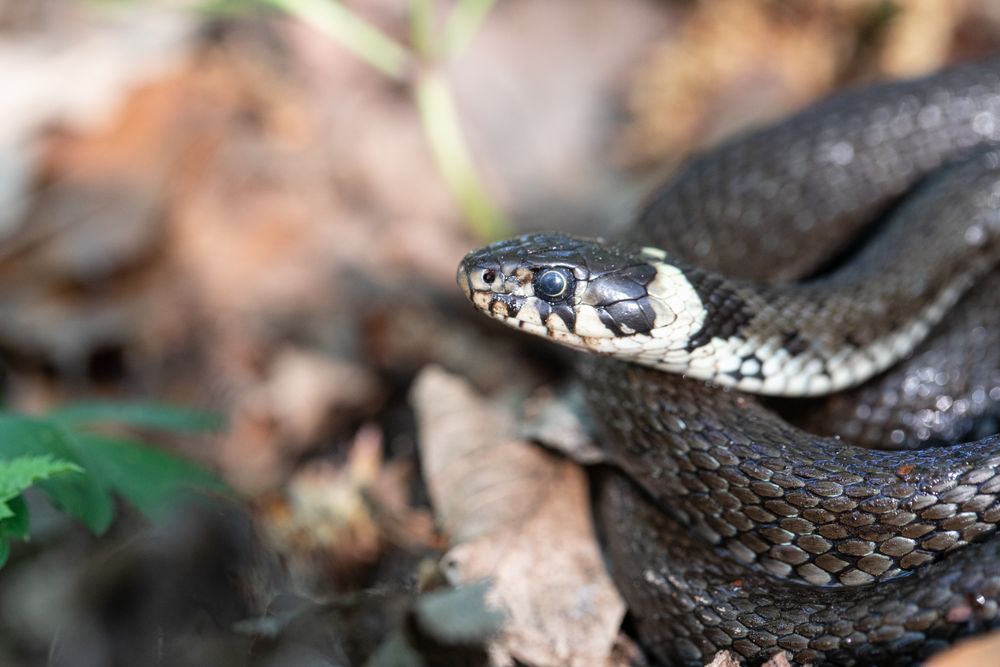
x,y
489,276
553,284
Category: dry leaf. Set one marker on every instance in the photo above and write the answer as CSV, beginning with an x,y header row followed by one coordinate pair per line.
x,y
521,518
730,659
556,421
920,37
731,65
49,79
734,64
980,652
333,522
724,659
779,660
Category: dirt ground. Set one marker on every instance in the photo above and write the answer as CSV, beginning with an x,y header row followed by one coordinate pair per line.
x,y
227,206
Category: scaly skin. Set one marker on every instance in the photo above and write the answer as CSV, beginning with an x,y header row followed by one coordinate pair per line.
x,y
732,528
724,213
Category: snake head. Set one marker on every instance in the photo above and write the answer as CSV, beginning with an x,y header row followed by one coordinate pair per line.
x,y
590,294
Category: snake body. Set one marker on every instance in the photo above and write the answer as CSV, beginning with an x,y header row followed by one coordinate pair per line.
x,y
728,527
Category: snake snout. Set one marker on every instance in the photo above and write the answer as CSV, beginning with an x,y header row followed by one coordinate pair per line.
x,y
479,271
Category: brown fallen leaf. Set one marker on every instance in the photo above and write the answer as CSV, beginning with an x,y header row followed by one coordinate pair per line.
x,y
286,407
779,660
332,523
730,659
731,64
734,64
919,39
557,421
724,659
979,652
520,517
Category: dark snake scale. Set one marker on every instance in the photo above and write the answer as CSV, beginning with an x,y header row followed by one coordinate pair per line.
x,y
826,527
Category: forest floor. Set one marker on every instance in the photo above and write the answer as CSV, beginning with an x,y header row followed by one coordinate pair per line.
x,y
228,209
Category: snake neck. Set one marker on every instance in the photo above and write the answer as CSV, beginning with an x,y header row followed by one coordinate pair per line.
x,y
796,340
838,331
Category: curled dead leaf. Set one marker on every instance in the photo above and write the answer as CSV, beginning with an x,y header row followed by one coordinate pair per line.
x,y
980,652
519,517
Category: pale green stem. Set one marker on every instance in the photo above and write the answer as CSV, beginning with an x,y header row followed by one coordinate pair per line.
x,y
448,146
422,33
351,31
463,23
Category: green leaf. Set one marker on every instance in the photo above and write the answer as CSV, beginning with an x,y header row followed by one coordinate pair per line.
x,y
140,415
15,526
152,480
82,496
18,524
20,473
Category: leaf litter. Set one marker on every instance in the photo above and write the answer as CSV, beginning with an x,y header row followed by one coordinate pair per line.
x,y
235,213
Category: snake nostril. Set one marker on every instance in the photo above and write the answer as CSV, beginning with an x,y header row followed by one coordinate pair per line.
x,y
489,276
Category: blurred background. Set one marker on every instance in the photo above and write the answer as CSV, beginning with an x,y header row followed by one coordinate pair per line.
x,y
257,208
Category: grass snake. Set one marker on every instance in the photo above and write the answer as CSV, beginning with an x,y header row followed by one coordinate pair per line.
x,y
756,272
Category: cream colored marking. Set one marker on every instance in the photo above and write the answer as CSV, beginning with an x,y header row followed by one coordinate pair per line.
x,y
841,356
728,364
775,362
775,384
797,384
861,366
482,300
750,367
588,323
840,376
745,347
818,384
813,367
477,282
882,354
529,313
555,324
679,311
627,345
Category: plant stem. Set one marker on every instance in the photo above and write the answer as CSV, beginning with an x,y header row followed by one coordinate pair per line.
x,y
448,146
463,24
351,31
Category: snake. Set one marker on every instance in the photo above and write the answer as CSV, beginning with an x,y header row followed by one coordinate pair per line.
x,y
792,360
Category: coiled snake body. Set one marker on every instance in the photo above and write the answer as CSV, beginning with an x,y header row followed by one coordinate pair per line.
x,y
730,527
